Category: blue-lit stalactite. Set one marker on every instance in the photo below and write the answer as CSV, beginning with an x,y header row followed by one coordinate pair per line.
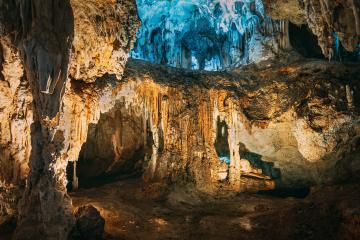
x,y
198,34
340,53
215,34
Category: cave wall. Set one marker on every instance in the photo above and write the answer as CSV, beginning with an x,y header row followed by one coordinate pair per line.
x,y
304,104
61,62
56,60
216,35
206,34
16,119
117,144
324,18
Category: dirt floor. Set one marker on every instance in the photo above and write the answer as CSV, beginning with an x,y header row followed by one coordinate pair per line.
x,y
134,210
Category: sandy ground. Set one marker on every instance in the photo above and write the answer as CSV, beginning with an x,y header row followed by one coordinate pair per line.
x,y
134,210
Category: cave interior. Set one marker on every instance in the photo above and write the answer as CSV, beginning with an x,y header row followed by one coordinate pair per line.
x,y
182,119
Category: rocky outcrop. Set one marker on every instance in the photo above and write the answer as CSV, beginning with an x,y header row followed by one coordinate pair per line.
x,y
218,130
324,18
89,223
46,47
328,17
16,117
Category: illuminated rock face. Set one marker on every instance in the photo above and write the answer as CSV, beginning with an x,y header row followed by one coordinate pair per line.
x,y
61,67
288,125
324,18
218,34
46,46
16,117
205,34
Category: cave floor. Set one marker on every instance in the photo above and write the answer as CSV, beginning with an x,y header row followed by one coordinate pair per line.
x,y
134,210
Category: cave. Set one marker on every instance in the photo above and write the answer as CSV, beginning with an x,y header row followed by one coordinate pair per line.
x,y
221,142
155,119
304,41
114,149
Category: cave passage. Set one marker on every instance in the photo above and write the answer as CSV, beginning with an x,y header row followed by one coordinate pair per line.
x,y
304,41
221,142
115,149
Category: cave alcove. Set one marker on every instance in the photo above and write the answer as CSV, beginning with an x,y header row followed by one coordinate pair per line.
x,y
304,41
221,142
115,149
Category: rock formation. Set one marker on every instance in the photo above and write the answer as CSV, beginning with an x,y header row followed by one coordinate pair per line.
x,y
324,18
47,63
89,223
283,122
216,34
206,34
183,126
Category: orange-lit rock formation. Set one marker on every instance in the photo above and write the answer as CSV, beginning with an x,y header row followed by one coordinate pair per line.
x,y
46,47
285,124
61,71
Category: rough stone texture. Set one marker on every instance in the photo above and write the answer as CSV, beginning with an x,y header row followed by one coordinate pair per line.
x,y
203,34
104,34
115,144
40,42
324,17
292,10
89,223
43,45
180,116
184,213
343,17
15,117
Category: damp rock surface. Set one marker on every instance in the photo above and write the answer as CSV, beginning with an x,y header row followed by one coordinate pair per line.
x,y
285,122
279,123
51,54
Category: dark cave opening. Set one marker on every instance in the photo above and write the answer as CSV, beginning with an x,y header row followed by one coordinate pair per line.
x,y
221,142
304,41
116,149
302,192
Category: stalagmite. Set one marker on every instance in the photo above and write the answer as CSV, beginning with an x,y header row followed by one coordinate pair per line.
x,y
49,41
249,112
75,181
349,97
284,29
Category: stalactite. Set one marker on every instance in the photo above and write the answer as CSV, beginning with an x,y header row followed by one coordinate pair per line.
x,y
207,38
284,35
324,18
189,134
75,180
356,11
50,44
